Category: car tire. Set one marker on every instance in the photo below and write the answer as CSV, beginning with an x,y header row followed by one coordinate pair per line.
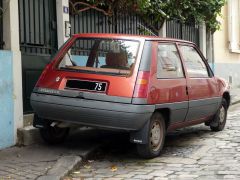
x,y
220,118
54,135
156,137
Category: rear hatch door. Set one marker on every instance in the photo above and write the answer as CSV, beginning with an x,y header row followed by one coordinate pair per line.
x,y
102,69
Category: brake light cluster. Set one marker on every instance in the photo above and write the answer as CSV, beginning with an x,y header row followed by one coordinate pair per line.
x,y
141,87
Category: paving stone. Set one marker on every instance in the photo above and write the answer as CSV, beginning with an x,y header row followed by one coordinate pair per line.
x,y
175,165
176,169
101,176
160,178
188,176
230,177
158,174
125,175
228,172
140,172
146,177
190,169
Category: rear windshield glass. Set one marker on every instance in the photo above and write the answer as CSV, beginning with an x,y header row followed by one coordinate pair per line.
x,y
104,56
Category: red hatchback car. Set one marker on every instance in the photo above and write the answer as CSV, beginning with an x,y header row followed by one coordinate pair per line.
x,y
140,84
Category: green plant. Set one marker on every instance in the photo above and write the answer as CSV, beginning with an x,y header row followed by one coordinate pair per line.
x,y
160,10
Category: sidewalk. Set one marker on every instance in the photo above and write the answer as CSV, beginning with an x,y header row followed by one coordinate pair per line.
x,y
235,95
41,161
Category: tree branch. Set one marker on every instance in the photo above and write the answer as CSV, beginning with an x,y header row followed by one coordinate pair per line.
x,y
89,6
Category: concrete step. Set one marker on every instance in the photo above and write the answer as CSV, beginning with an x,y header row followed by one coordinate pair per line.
x,y
27,120
27,136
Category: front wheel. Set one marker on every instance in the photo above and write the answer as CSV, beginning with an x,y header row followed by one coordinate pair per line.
x,y
156,137
54,135
220,118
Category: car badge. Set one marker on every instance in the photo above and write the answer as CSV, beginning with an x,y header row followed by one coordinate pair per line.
x,y
58,79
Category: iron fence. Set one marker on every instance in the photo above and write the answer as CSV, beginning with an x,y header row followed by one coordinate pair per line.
x,y
36,24
92,21
38,40
1,25
186,31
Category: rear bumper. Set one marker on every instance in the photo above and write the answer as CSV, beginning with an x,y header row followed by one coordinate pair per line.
x,y
92,113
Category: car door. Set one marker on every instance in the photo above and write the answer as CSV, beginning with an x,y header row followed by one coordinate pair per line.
x,y
202,86
168,89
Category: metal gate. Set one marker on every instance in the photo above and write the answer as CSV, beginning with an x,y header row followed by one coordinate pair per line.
x,y
187,31
38,41
92,21
1,24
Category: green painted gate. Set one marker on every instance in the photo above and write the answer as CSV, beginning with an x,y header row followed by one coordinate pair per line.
x,y
38,41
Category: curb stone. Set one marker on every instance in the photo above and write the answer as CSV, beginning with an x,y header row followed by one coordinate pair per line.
x,y
235,102
28,135
62,167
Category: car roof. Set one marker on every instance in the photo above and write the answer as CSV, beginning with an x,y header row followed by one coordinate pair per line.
x,y
129,36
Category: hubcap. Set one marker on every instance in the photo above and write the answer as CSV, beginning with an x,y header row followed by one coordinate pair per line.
x,y
222,115
155,136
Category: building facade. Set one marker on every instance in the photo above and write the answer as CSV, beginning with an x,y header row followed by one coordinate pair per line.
x,y
227,44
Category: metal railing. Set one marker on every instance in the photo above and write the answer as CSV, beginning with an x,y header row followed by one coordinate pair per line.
x,y
186,31
36,26
92,21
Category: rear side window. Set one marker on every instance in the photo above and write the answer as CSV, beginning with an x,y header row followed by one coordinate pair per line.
x,y
196,68
168,62
104,56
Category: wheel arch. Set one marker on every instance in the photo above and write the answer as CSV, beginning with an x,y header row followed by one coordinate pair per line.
x,y
226,96
166,112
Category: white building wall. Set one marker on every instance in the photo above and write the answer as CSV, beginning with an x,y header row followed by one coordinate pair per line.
x,y
227,44
62,6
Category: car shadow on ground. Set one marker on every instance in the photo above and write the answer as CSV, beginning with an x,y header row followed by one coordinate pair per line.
x,y
116,145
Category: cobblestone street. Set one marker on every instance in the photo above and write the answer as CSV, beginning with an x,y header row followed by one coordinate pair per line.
x,y
190,153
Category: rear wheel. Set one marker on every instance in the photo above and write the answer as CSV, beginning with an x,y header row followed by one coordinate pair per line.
x,y
220,118
156,137
54,135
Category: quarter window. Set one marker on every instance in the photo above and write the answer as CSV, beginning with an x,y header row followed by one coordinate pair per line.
x,y
195,66
168,62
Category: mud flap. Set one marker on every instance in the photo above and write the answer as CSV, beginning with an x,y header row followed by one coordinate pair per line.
x,y
215,120
141,136
39,122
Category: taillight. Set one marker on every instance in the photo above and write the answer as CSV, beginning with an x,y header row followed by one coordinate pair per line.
x,y
43,74
141,87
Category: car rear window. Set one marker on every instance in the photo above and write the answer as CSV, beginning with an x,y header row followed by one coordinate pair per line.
x,y
104,56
